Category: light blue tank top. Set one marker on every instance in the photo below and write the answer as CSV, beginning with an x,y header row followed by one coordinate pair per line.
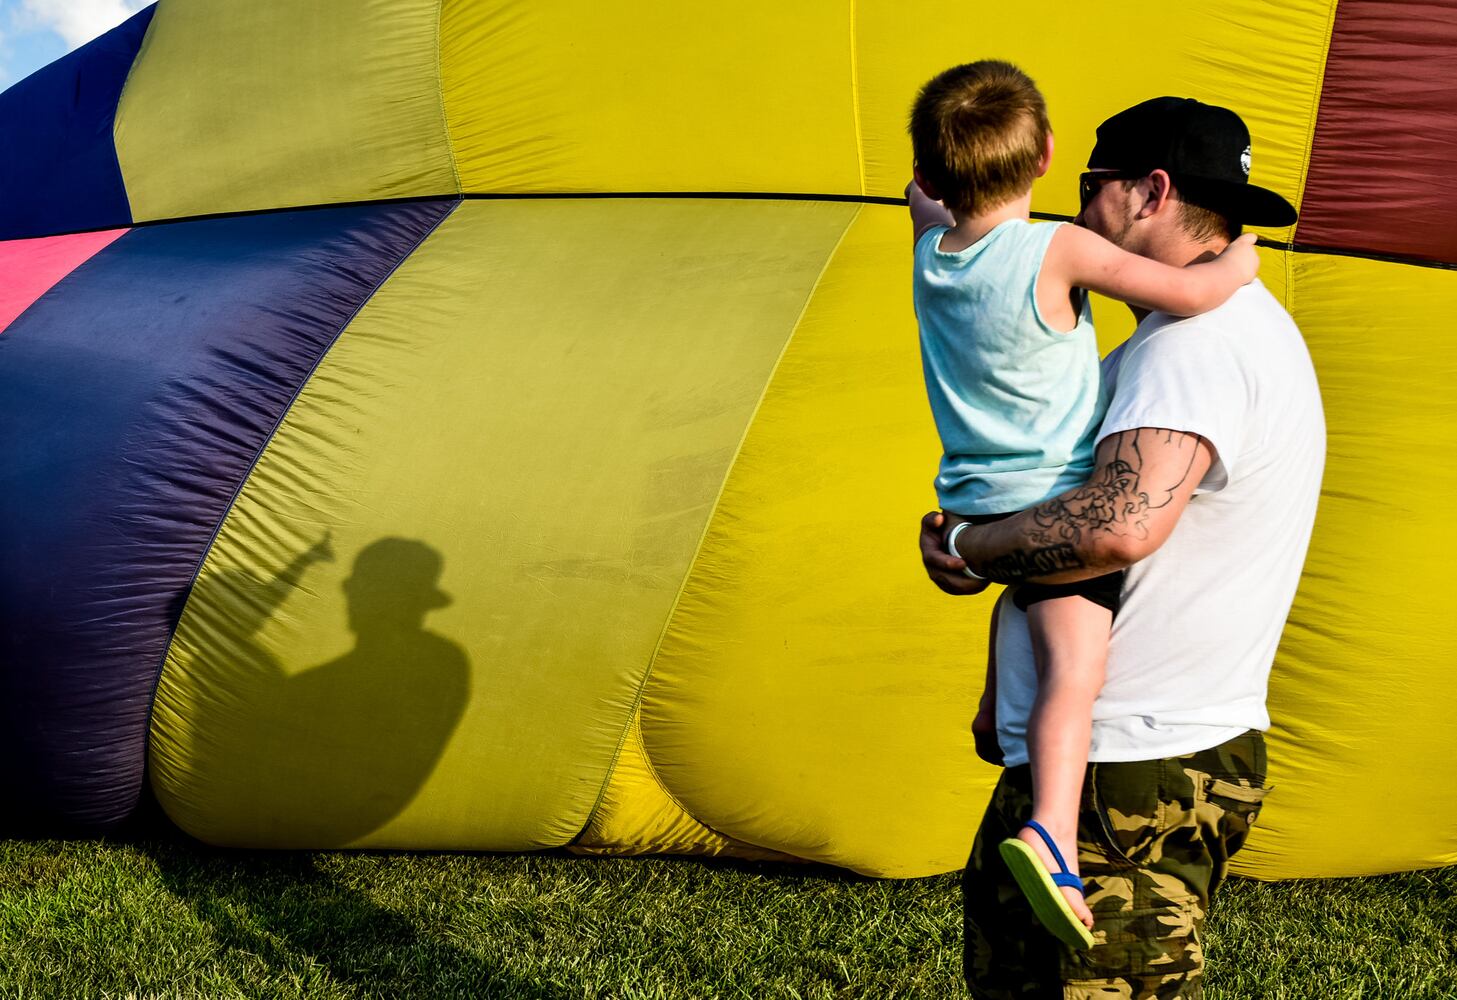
x,y
1017,403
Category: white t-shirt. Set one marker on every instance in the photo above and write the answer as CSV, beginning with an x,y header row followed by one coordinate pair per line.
x,y
1189,661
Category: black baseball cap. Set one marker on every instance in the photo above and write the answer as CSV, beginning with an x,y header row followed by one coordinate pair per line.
x,y
1205,149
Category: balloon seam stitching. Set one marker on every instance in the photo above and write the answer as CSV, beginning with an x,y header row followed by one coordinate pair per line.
x,y
635,711
1312,121
121,232
1291,246
258,456
855,101
440,96
797,196
116,111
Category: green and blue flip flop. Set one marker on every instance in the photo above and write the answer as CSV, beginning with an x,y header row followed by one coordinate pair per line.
x,y
1040,886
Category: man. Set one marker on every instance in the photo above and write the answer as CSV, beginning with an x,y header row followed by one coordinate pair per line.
x,y
1207,474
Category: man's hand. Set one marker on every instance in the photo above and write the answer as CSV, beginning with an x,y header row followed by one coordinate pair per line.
x,y
944,569
984,732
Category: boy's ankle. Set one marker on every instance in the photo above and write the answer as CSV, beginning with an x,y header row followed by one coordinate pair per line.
x,y
1065,832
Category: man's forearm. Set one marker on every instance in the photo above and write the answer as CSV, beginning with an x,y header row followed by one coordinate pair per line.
x,y
1016,551
1143,479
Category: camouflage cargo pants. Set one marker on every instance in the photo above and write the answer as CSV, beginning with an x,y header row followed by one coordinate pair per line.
x,y
1154,840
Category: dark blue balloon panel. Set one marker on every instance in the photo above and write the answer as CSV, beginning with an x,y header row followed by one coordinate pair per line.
x,y
58,166
135,398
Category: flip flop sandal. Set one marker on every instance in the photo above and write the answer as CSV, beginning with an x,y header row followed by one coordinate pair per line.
x,y
1040,886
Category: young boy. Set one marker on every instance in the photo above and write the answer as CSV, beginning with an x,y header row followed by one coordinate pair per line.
x,y
1011,367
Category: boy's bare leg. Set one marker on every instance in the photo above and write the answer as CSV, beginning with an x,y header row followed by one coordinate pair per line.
x,y
1070,642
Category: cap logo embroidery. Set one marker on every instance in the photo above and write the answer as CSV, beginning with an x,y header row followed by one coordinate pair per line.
x,y
1244,161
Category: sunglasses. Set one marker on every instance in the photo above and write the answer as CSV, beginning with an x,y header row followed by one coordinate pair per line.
x,y
1090,183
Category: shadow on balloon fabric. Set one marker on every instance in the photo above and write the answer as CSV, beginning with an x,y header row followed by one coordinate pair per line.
x,y
325,756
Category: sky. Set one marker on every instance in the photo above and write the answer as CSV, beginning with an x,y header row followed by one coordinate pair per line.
x,y
35,32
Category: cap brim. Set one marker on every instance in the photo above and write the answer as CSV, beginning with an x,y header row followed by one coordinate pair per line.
x,y
1264,207
1247,204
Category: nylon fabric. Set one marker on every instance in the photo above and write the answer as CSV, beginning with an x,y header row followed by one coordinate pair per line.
x,y
581,96
269,104
134,405
1362,686
502,472
58,163
539,408
848,694
637,816
1381,177
1091,66
34,267
346,104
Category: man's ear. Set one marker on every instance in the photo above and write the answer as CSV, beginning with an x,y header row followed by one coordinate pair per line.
x,y
1046,161
925,185
1156,191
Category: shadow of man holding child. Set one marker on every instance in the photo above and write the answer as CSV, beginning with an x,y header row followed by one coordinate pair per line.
x,y
393,700
324,756
316,758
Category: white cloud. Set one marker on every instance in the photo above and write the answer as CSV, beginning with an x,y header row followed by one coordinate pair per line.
x,y
79,21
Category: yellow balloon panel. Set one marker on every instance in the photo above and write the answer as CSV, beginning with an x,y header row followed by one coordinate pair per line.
x,y
531,421
1362,691
582,96
813,692
636,815
265,104
1265,61
225,111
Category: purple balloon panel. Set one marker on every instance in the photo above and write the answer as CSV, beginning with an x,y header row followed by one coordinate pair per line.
x,y
135,398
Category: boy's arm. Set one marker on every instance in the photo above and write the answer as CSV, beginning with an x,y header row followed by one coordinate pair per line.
x,y
1079,258
925,212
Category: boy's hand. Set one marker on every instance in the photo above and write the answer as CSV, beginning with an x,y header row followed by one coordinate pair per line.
x,y
1241,257
926,211
914,193
944,569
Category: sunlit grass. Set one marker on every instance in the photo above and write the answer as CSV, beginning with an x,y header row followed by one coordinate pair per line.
x,y
156,915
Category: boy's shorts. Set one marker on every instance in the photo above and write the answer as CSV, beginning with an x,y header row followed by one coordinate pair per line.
x,y
1154,842
1104,591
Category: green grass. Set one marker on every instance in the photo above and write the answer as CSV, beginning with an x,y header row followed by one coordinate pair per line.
x,y
153,915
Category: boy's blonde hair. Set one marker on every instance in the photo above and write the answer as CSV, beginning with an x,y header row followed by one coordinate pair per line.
x,y
978,132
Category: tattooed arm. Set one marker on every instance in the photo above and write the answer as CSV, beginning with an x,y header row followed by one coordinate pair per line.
x,y
1142,482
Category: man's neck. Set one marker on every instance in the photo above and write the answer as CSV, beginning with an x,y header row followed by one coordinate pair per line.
x,y
1177,250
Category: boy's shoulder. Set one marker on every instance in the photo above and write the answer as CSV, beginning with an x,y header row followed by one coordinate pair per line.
x,y
929,238
1011,237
